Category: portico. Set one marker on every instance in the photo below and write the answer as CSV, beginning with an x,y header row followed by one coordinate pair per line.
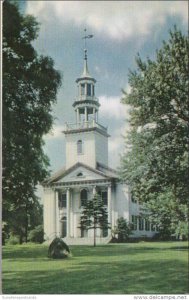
x,y
67,206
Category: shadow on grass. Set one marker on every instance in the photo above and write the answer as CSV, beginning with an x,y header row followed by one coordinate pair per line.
x,y
109,269
39,251
124,277
25,251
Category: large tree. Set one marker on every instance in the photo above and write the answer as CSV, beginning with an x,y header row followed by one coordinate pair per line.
x,y
94,215
156,158
30,85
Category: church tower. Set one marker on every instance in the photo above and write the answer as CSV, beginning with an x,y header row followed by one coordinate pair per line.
x,y
86,139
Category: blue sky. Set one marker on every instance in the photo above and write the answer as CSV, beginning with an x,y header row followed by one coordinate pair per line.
x,y
121,29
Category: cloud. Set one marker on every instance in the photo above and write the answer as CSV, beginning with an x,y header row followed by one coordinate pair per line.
x,y
111,107
116,19
116,145
55,133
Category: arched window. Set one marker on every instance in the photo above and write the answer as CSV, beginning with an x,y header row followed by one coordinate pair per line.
x,y
79,147
62,200
83,197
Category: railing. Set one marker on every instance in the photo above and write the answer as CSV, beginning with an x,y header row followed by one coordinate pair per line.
x,y
86,97
83,125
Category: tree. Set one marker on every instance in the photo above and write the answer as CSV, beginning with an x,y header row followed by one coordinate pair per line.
x,y
30,85
36,235
156,159
94,215
123,229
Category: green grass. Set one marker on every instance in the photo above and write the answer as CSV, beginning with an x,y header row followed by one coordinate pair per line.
x,y
140,268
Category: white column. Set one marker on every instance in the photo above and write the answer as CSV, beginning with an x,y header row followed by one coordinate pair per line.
x,y
49,202
109,208
94,190
79,90
85,114
71,213
78,115
97,116
94,116
57,215
68,212
85,89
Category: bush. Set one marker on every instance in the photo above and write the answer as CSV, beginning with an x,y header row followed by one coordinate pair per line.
x,y
13,240
5,234
122,230
36,235
58,249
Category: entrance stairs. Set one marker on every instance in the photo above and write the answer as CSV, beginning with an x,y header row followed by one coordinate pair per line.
x,y
86,241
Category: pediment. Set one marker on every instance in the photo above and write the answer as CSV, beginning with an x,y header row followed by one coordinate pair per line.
x,y
78,172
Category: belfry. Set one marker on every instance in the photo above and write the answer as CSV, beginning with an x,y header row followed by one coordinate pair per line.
x,y
86,172
90,138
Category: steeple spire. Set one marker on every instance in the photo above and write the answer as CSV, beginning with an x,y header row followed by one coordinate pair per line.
x,y
85,70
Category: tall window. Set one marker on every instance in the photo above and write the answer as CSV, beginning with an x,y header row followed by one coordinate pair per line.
x,y
153,227
141,223
147,225
82,89
104,197
83,197
134,222
62,200
88,89
79,147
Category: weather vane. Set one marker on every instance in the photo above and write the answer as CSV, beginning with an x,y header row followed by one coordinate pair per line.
x,y
89,36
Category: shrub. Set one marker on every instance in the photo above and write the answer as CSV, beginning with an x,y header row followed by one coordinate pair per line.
x,y
58,249
13,240
5,234
36,235
122,230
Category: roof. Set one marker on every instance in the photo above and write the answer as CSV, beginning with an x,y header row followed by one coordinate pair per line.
x,y
101,169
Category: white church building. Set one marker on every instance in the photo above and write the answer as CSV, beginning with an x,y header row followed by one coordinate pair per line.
x,y
86,172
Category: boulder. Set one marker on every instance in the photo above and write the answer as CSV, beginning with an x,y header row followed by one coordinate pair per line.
x,y
58,249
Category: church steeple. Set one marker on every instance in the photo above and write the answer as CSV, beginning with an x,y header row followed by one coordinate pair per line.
x,y
86,105
86,139
85,69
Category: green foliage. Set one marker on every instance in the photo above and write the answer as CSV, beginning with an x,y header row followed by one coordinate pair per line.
x,y
58,249
36,235
156,159
30,85
123,230
94,215
5,232
13,240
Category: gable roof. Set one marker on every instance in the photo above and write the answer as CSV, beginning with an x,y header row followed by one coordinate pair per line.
x,y
107,170
101,170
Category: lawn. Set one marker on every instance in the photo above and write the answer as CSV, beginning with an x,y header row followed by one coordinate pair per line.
x,y
140,268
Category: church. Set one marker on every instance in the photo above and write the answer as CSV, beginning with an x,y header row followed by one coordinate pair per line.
x,y
86,172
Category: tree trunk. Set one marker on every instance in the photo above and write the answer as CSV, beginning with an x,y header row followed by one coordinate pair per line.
x,y
94,236
20,239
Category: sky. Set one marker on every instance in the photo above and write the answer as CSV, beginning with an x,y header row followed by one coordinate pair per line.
x,y
121,29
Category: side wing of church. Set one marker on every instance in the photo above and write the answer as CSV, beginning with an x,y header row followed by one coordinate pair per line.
x,y
86,172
